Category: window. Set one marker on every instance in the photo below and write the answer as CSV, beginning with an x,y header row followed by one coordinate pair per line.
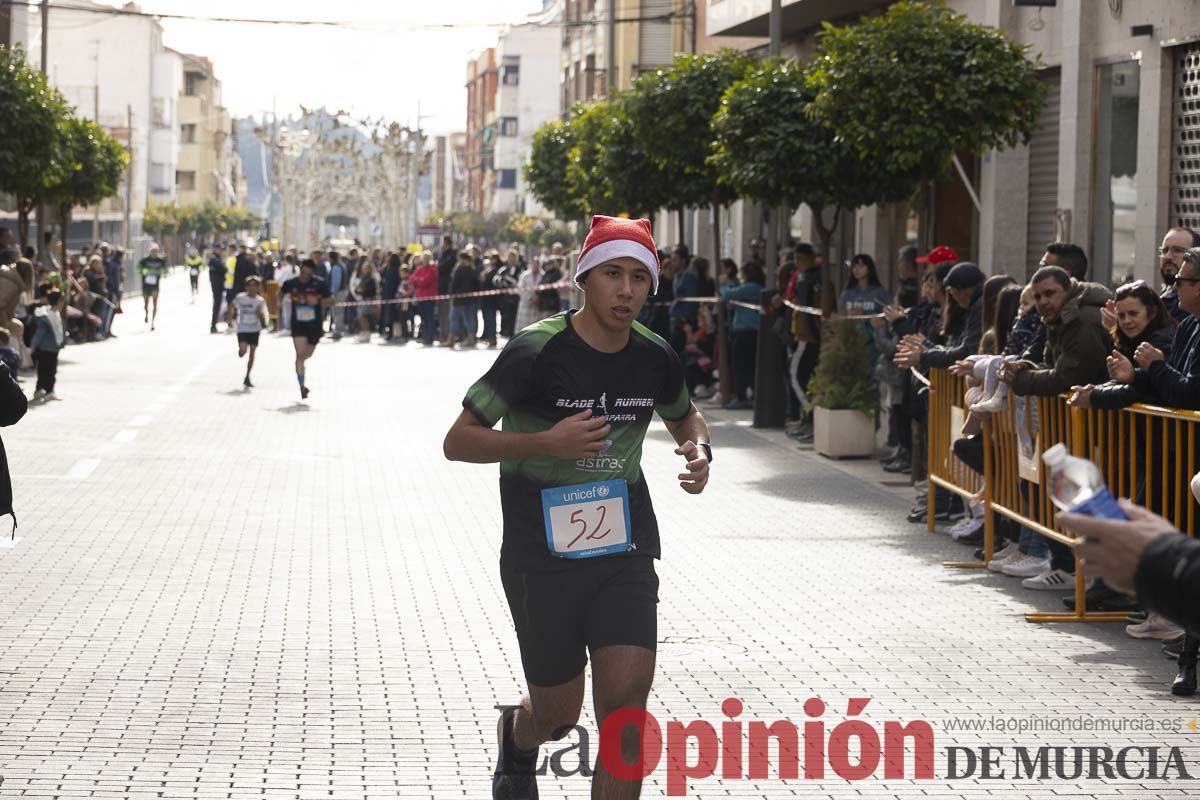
x,y
187,134
1114,175
508,179
185,181
508,126
160,181
191,83
510,71
158,112
590,77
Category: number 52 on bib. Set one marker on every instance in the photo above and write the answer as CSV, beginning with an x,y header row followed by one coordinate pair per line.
x,y
586,520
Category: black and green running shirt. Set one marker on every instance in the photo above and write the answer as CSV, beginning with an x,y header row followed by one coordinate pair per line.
x,y
546,373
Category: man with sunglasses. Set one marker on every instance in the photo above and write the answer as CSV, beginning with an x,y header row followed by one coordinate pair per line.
x,y
1170,258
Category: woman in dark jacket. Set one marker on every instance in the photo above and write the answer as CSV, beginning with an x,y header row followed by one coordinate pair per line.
x,y
1141,317
13,406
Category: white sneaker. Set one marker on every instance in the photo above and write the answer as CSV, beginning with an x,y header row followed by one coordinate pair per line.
x,y
1006,554
1052,580
1154,627
966,527
1025,566
703,392
50,396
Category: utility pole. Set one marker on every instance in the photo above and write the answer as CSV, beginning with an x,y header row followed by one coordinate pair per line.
x,y
96,118
129,176
610,70
770,392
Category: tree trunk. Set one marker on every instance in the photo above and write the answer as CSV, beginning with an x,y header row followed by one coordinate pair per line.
x,y
716,215
679,211
24,207
828,300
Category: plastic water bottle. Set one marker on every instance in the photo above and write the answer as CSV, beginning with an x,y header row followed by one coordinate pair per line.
x,y
1077,485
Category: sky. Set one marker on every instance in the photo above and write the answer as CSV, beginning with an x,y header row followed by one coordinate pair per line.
x,y
381,62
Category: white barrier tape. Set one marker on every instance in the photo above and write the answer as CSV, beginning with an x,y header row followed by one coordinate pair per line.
x,y
480,293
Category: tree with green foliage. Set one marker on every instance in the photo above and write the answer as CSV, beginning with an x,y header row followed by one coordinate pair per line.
x,y
768,147
29,147
671,111
90,164
546,171
909,88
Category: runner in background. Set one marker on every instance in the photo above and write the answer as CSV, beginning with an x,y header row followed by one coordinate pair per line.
x,y
249,312
309,297
193,262
152,269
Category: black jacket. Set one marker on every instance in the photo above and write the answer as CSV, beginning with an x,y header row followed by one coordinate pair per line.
x,y
463,280
243,268
13,406
1113,395
964,343
1168,579
446,263
1175,382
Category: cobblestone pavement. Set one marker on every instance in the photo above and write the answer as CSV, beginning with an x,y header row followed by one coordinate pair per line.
x,y
221,593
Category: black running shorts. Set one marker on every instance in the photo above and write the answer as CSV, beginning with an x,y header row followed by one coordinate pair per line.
x,y
248,338
596,602
312,334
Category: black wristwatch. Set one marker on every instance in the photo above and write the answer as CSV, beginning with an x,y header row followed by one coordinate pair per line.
x,y
707,449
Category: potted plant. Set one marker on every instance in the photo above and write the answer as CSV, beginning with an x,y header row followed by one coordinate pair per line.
x,y
842,392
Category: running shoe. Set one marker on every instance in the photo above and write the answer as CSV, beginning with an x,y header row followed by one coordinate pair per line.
x,y
514,779
247,383
1025,566
1006,554
965,527
1052,580
303,392
1155,627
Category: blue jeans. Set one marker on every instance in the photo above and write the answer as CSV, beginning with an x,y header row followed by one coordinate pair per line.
x,y
1033,544
489,321
429,325
464,321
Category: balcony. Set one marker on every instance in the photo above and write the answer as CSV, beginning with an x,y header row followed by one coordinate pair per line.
x,y
749,17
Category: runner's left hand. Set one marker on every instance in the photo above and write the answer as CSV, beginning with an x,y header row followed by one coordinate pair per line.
x,y
694,480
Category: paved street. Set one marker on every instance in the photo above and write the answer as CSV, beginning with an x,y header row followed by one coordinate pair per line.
x,y
222,593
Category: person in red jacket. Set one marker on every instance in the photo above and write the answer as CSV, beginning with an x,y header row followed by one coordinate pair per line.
x,y
424,284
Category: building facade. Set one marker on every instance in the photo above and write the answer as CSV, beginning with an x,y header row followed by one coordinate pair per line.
x,y
482,79
115,70
646,33
526,98
1114,161
448,173
204,172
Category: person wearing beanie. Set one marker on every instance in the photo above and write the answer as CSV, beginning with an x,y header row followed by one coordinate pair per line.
x,y
575,394
962,324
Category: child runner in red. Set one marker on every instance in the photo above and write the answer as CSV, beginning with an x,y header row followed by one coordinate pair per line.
x,y
576,393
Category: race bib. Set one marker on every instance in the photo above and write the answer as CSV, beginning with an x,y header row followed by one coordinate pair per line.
x,y
151,279
306,314
195,272
586,520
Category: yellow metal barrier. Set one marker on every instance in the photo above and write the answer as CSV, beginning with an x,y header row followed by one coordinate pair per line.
x,y
1147,453
947,412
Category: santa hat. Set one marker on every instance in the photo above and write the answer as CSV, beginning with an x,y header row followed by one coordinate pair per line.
x,y
611,238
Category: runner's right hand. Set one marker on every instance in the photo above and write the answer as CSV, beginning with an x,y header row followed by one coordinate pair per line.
x,y
577,436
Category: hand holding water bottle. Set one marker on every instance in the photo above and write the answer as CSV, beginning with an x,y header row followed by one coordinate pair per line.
x,y
1077,485
1112,548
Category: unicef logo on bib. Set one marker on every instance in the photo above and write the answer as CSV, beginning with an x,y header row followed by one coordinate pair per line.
x,y
602,491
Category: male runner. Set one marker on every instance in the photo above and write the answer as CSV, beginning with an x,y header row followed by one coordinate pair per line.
x,y
216,279
309,296
193,262
576,393
152,268
250,310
